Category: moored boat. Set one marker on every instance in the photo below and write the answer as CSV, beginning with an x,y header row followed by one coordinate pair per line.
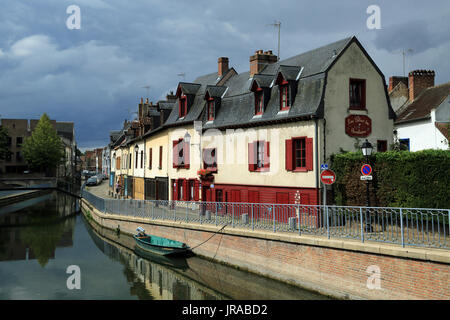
x,y
159,245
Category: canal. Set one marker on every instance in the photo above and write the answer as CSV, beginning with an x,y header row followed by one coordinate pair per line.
x,y
42,238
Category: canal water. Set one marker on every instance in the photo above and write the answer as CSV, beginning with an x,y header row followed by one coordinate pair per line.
x,y
48,250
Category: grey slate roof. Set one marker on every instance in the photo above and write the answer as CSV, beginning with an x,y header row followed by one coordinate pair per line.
x,y
215,91
189,88
289,72
197,105
237,105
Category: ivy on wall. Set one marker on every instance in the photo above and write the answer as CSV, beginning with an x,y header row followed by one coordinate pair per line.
x,y
400,179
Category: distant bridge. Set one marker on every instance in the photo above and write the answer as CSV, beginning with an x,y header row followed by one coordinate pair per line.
x,y
18,184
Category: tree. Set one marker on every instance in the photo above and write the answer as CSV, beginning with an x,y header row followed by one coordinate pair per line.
x,y
44,149
4,145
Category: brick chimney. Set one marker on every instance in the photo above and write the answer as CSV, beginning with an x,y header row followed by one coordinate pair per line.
x,y
222,63
261,59
395,80
418,81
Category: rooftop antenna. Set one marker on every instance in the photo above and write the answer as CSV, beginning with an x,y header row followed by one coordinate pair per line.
x,y
277,24
182,74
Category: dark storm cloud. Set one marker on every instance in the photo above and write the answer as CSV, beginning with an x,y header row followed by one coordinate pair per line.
x,y
95,76
411,34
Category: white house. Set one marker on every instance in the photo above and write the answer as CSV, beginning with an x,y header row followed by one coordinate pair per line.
x,y
424,123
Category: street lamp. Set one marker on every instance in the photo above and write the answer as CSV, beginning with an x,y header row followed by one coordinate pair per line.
x,y
366,149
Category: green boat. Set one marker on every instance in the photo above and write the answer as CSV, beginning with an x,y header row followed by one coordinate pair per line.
x,y
159,245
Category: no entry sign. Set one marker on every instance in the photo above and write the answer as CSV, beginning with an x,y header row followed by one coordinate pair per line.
x,y
366,169
327,177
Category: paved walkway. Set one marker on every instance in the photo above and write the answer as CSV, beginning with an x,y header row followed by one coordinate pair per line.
x,y
100,190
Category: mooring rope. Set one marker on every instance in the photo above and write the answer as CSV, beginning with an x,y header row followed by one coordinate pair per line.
x,y
210,237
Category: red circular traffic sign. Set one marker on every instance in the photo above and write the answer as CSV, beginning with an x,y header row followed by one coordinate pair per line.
x,y
327,177
366,169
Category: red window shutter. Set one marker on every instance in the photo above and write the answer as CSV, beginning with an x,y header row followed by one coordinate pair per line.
x,y
251,156
186,154
289,159
309,154
175,153
185,190
266,155
150,159
196,190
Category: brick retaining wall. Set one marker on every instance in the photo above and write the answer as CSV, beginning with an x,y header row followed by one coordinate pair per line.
x,y
333,267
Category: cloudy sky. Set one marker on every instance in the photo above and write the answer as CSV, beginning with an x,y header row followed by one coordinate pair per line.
x,y
94,75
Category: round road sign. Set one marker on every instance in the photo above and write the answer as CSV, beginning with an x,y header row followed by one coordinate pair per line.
x,y
327,177
366,169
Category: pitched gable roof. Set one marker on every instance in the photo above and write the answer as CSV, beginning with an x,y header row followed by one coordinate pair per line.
x,y
421,107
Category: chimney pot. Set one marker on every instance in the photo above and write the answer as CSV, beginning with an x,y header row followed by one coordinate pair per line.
x,y
259,60
419,80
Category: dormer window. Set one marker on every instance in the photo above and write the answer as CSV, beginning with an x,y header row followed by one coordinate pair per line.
x,y
210,109
287,79
284,96
182,106
260,86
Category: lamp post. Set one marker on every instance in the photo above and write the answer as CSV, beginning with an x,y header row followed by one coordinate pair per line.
x,y
366,149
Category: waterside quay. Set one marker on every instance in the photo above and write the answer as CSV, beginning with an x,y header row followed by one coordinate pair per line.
x,y
356,253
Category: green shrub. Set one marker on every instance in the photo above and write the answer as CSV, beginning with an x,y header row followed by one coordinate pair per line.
x,y
400,179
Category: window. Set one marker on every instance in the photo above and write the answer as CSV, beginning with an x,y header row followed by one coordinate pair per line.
x,y
136,160
191,190
160,157
381,145
19,141
8,141
259,102
357,94
299,154
210,106
210,159
180,154
258,156
404,144
129,163
142,159
284,96
18,156
182,106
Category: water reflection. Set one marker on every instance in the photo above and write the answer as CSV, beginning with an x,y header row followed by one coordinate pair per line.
x,y
40,240
194,278
37,227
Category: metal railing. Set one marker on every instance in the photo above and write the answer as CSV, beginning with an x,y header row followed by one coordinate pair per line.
x,y
403,226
